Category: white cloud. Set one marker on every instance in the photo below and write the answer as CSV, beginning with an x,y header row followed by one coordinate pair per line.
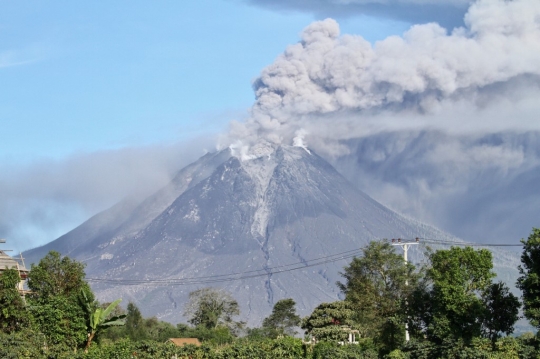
x,y
441,125
43,200
448,13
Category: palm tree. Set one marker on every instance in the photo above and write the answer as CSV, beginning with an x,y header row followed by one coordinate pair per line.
x,y
98,318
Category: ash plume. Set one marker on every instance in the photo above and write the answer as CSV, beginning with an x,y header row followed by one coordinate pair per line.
x,y
341,86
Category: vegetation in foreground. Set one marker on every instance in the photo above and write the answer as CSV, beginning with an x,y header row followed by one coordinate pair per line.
x,y
452,308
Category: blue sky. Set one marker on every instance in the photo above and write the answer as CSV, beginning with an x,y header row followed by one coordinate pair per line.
x,y
87,80
99,100
87,76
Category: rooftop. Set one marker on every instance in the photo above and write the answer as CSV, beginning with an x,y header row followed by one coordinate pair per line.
x,y
9,262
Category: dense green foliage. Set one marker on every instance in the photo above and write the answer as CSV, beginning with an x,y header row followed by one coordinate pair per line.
x,y
327,349
462,302
376,287
460,278
502,311
327,320
212,307
283,319
452,307
13,315
529,281
56,283
135,323
56,276
99,318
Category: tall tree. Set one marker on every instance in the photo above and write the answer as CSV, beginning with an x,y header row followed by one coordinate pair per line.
x,y
377,286
459,301
502,311
135,323
529,281
56,283
211,307
57,276
461,277
13,314
283,318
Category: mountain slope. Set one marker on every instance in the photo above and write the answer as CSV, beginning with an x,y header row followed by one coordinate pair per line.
x,y
228,213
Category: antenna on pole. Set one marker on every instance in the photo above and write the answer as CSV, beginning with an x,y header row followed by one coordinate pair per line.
x,y
22,260
404,244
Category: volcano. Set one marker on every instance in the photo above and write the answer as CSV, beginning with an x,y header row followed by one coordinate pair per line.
x,y
279,222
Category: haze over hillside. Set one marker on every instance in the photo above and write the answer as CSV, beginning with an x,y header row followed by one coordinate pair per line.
x,y
234,212
436,117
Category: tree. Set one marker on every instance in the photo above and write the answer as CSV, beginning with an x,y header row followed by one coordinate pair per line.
x,y
529,281
62,321
502,311
160,331
327,321
99,318
135,323
460,277
56,283
377,286
459,302
57,276
13,314
211,307
283,318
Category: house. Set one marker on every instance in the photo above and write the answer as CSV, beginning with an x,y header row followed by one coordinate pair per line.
x,y
7,262
180,342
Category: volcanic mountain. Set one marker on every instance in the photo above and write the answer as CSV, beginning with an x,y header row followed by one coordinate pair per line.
x,y
267,225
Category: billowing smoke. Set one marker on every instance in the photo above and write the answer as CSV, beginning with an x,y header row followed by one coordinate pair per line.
x,y
417,79
442,126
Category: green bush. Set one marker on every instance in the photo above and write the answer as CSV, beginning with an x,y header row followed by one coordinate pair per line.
x,y
331,350
21,345
287,347
396,354
525,347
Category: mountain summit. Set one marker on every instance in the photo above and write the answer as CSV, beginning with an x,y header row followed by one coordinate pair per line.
x,y
240,221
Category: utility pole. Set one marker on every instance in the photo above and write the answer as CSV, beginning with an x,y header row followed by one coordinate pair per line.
x,y
405,244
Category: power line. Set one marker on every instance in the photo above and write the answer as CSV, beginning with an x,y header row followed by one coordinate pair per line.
x,y
266,271
470,244
217,280
352,252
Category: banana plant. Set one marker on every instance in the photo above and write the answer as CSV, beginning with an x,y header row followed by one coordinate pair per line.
x,y
98,318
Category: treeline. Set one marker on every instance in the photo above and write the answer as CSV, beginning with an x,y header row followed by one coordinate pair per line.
x,y
450,307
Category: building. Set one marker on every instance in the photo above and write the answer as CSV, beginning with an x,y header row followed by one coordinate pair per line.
x,y
180,342
7,262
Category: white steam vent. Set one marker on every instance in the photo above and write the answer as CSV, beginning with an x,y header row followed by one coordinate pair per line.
x,y
298,140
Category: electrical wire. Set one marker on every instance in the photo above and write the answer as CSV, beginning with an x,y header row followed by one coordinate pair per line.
x,y
268,271
469,244
236,276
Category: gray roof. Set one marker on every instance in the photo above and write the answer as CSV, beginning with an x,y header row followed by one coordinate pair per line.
x,y
9,262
